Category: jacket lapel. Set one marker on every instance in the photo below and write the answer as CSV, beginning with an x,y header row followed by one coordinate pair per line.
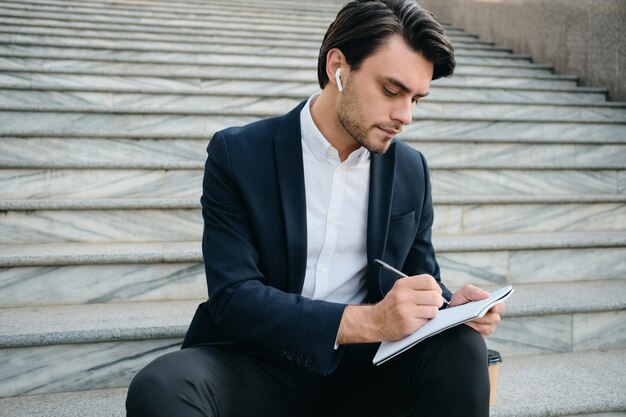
x,y
290,173
382,173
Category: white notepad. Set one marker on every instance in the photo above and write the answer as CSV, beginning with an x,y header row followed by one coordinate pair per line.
x,y
446,319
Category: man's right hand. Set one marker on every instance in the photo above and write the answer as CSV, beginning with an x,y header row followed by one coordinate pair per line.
x,y
410,303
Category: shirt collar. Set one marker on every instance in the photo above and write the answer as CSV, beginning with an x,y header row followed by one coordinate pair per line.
x,y
321,149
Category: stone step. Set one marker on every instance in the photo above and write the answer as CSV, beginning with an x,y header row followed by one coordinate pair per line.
x,y
93,323
59,13
211,45
584,384
150,252
110,123
240,26
459,38
515,154
12,26
32,23
529,386
81,152
265,20
57,226
166,204
112,341
85,273
114,282
245,80
529,218
17,62
95,224
499,89
319,8
528,258
221,58
209,13
186,183
34,26
209,9
518,130
36,342
470,106
91,403
563,317
552,89
212,9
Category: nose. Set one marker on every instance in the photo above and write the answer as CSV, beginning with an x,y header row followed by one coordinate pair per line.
x,y
403,111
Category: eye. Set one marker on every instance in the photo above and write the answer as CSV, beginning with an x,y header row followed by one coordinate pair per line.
x,y
389,93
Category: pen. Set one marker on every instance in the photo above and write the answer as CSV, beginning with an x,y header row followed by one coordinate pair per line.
x,y
401,274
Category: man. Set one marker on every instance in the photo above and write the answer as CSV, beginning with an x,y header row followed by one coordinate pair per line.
x,y
296,208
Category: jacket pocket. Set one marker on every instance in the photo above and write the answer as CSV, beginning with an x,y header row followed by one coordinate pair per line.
x,y
402,219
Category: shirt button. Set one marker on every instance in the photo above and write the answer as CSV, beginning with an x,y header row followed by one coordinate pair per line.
x,y
323,269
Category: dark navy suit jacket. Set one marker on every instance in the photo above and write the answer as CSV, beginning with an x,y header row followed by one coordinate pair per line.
x,y
254,241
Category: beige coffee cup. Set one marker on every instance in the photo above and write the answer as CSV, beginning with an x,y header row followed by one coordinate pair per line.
x,y
494,367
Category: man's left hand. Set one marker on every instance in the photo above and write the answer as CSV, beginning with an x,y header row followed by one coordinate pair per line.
x,y
487,324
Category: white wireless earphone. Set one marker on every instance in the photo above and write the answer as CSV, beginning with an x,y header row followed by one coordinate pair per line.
x,y
337,75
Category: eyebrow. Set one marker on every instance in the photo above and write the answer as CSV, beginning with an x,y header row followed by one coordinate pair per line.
x,y
403,87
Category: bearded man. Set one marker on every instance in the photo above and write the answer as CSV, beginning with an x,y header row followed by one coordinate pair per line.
x,y
296,208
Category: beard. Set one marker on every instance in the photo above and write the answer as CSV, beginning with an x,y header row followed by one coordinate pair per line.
x,y
348,114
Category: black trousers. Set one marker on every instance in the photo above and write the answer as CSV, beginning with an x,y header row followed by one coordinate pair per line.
x,y
445,375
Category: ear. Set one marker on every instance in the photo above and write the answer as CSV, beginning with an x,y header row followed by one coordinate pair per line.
x,y
334,61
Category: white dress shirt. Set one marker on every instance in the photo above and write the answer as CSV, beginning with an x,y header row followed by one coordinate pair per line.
x,y
336,210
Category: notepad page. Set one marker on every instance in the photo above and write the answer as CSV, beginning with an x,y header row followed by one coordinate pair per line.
x,y
445,319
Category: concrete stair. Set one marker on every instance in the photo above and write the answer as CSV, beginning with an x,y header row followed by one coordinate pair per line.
x,y
106,109
572,391
103,152
50,221
112,338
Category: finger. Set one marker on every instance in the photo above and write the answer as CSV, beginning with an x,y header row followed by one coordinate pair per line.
x,y
488,320
404,292
492,321
428,312
484,330
498,308
422,282
475,327
468,293
473,293
427,298
490,317
424,312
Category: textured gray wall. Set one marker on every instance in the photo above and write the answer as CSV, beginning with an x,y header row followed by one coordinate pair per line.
x,y
582,37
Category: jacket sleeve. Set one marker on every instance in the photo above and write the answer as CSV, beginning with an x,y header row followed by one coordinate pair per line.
x,y
421,258
241,303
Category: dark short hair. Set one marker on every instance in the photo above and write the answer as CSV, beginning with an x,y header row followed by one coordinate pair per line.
x,y
362,26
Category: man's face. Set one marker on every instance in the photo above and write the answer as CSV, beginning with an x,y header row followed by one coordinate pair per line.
x,y
378,98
